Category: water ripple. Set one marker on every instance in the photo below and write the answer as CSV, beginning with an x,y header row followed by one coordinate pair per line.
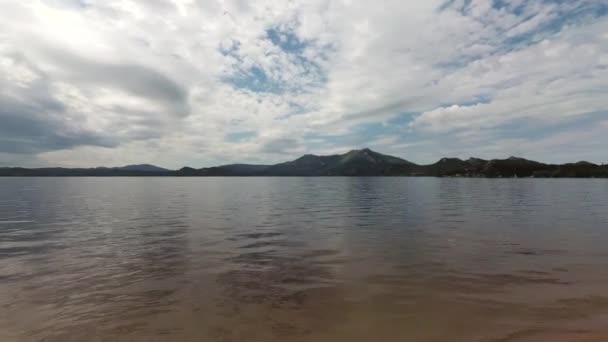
x,y
302,259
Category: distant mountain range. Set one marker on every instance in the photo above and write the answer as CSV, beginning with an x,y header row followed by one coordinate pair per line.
x,y
364,162
129,170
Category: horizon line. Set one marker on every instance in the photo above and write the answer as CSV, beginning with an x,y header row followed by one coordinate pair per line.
x,y
302,155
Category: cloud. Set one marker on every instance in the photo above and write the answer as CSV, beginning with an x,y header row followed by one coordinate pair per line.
x,y
32,119
559,77
29,128
204,82
137,80
280,145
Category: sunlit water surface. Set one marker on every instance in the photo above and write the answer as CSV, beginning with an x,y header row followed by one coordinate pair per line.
x,y
303,259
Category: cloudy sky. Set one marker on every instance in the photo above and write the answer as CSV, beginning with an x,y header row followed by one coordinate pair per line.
x,y
205,82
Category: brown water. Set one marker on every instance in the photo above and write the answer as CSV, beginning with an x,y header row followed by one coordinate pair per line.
x,y
303,259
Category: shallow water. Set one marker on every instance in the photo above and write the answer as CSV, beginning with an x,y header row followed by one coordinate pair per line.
x,y
303,259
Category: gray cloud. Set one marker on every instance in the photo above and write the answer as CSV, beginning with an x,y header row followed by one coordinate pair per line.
x,y
35,117
135,79
280,145
33,120
33,127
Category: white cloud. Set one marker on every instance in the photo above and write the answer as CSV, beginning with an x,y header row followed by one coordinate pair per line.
x,y
557,78
166,81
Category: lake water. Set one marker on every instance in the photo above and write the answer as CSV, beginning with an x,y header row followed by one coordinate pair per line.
x,y
303,259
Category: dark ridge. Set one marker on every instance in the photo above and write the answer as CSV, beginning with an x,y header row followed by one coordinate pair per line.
x,y
142,167
363,162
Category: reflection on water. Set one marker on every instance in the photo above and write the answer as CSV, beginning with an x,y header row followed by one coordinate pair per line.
x,y
303,259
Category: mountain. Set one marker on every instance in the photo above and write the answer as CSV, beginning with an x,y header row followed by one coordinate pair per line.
x,y
363,162
224,170
142,167
129,170
446,167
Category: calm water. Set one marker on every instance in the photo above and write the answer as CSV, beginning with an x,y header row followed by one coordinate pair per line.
x,y
303,259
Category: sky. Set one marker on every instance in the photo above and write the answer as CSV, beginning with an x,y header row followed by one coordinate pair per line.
x,y
189,82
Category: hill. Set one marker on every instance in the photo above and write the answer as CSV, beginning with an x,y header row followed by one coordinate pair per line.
x,y
363,162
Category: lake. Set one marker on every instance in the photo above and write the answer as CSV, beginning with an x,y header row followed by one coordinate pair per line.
x,y
303,259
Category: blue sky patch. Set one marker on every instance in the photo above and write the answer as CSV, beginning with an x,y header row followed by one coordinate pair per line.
x,y
287,40
254,79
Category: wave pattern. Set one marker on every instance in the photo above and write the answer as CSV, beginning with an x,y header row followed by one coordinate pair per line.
x,y
302,259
